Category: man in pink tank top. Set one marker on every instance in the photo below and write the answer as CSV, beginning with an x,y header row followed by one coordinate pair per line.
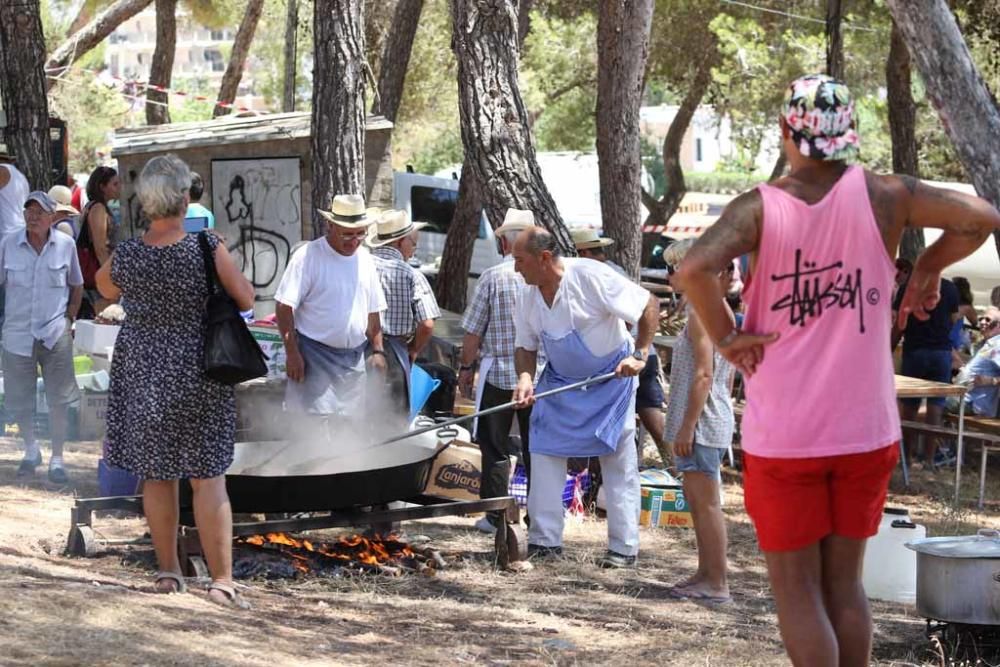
x,y
821,427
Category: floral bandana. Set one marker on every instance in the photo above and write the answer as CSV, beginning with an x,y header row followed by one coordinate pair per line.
x,y
819,112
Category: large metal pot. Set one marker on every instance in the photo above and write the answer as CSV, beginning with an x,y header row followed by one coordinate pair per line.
x,y
303,476
958,578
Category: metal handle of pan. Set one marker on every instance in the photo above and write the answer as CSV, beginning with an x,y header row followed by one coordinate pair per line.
x,y
499,408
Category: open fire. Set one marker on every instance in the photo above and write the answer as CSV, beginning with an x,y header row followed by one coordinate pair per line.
x,y
355,553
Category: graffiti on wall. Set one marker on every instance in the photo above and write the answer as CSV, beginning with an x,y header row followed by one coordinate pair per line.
x,y
257,207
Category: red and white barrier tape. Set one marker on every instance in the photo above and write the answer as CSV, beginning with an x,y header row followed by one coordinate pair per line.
x,y
142,86
659,229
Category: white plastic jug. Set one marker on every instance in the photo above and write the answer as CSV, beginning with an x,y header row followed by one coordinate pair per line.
x,y
890,569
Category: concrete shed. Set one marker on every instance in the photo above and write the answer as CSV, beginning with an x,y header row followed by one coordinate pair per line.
x,y
258,182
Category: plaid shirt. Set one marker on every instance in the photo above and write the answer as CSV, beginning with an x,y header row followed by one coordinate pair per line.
x,y
408,295
491,317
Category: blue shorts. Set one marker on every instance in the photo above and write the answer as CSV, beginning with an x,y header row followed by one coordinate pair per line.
x,y
934,365
703,459
650,393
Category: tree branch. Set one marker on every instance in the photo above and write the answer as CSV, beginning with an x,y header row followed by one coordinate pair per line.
x,y
92,34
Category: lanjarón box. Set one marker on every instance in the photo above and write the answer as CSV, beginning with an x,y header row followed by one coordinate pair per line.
x,y
664,507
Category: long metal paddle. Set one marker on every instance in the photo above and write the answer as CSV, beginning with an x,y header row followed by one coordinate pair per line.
x,y
497,408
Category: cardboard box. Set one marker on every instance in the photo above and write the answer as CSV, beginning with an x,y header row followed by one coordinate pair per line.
x,y
457,473
662,507
93,415
269,339
94,338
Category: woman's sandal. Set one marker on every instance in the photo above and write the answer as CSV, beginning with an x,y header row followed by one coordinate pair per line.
x,y
233,599
180,586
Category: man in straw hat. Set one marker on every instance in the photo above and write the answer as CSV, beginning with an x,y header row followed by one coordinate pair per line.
x,y
649,397
408,320
575,311
328,306
489,339
820,433
66,214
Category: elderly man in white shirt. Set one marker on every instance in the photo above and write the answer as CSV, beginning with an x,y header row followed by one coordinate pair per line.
x,y
329,302
489,338
575,310
43,286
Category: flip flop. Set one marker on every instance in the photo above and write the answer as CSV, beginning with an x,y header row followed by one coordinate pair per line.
x,y
695,596
172,576
233,599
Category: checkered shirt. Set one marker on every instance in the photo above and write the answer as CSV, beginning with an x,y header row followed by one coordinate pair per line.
x,y
491,317
408,295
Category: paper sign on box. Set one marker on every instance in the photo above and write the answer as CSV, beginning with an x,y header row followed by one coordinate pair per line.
x,y
269,339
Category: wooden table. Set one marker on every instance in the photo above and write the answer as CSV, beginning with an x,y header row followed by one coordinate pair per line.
x,y
907,387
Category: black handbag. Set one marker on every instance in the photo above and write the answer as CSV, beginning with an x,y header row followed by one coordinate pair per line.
x,y
232,355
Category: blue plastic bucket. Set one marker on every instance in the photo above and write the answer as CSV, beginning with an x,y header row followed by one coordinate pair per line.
x,y
422,385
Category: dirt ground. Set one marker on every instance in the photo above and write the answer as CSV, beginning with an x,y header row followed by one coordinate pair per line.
x,y
56,610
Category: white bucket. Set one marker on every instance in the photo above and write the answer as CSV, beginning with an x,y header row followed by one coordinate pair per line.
x,y
890,569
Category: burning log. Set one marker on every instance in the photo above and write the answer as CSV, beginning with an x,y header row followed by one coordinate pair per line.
x,y
439,561
388,556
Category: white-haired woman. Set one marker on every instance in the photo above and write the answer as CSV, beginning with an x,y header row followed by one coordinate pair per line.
x,y
700,424
166,419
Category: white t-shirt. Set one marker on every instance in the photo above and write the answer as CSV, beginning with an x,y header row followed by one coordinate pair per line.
x,y
12,198
592,298
331,294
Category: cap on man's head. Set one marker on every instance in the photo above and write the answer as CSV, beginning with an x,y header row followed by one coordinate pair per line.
x,y
43,199
819,112
516,220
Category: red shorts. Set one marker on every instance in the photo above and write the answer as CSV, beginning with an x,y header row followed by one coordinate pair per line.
x,y
796,502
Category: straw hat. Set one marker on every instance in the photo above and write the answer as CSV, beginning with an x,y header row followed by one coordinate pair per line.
x,y
64,199
516,220
588,239
348,211
392,225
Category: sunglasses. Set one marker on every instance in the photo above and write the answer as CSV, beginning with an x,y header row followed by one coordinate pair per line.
x,y
986,322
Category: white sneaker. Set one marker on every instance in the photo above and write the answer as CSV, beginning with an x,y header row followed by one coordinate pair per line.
x,y
484,525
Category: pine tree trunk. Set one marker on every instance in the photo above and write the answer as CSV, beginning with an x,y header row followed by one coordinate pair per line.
x,y
523,21
396,57
902,127
157,112
395,61
237,60
338,110
660,211
778,170
291,55
622,50
456,258
834,39
79,43
22,68
495,131
84,16
967,109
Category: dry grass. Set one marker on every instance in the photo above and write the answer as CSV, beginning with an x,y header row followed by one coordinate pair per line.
x,y
56,610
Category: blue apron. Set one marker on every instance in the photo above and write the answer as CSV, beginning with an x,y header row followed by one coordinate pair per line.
x,y
580,422
334,382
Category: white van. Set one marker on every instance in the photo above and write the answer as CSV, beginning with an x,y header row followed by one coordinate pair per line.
x,y
432,200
